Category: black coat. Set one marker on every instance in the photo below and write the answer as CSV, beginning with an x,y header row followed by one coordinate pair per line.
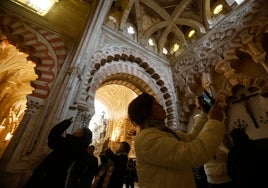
x,y
120,161
243,165
89,172
53,170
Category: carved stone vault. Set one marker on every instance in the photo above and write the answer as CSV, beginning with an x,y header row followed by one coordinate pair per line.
x,y
220,58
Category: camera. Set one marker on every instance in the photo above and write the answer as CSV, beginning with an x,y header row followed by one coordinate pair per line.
x,y
206,101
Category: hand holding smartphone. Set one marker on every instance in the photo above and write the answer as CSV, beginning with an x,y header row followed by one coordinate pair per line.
x,y
206,101
217,112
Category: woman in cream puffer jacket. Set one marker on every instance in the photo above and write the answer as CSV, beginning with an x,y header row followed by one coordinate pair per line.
x,y
165,158
216,169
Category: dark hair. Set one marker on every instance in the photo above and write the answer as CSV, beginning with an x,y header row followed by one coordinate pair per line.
x,y
140,108
239,135
87,137
91,146
126,146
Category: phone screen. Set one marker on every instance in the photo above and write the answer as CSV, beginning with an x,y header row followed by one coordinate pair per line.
x,y
206,100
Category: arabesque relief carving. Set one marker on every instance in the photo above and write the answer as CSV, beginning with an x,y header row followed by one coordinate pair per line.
x,y
15,85
215,57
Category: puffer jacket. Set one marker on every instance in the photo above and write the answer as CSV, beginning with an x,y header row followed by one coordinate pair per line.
x,y
216,169
163,161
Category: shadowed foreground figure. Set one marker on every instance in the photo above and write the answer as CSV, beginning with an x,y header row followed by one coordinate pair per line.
x,y
113,167
72,148
165,158
90,171
244,163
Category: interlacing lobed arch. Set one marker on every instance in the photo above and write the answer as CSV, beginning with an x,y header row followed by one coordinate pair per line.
x,y
131,67
44,48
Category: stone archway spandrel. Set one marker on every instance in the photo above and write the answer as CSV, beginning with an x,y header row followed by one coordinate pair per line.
x,y
46,48
128,61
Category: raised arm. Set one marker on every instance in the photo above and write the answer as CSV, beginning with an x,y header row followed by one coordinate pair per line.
x,y
55,137
199,123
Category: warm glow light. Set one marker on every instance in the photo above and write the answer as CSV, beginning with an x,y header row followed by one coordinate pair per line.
x,y
40,6
130,30
151,42
165,51
3,124
176,47
191,33
112,19
100,108
115,135
218,9
8,136
100,112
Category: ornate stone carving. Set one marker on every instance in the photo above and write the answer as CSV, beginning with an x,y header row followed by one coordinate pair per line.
x,y
33,105
215,52
113,54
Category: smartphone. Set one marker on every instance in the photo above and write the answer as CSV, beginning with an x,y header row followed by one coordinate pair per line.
x,y
206,101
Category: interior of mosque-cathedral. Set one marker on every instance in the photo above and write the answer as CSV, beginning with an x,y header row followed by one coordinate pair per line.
x,y
67,60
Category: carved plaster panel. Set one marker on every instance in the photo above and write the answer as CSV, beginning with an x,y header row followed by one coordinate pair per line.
x,y
104,63
215,53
